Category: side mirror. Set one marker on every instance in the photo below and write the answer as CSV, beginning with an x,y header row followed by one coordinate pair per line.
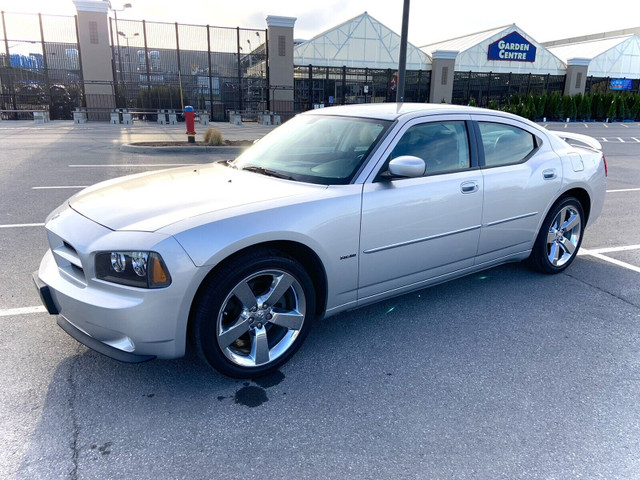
x,y
407,166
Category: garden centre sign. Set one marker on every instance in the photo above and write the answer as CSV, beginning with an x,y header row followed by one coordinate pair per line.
x,y
513,48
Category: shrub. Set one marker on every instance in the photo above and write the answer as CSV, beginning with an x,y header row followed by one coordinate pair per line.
x,y
585,108
611,110
213,137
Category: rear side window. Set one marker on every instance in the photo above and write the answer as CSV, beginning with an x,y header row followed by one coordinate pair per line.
x,y
505,144
444,146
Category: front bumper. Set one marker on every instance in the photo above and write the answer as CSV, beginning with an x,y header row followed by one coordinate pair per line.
x,y
125,323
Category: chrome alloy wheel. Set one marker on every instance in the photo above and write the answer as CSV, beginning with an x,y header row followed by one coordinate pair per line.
x,y
563,236
261,318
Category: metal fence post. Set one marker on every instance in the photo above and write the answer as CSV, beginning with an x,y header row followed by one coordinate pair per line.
x,y
344,85
178,48
209,72
489,88
83,101
45,63
546,88
366,77
116,90
310,86
6,40
146,62
266,43
239,70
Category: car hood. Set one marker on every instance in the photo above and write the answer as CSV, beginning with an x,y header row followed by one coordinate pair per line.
x,y
152,200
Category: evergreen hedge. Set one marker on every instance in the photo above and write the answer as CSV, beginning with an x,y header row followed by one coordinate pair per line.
x,y
583,108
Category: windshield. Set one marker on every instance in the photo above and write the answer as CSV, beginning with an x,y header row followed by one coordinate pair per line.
x,y
317,149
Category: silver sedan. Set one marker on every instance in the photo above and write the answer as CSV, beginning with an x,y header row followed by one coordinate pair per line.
x,y
335,209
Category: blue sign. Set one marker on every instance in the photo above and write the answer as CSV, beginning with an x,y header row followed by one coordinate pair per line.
x,y
621,84
512,48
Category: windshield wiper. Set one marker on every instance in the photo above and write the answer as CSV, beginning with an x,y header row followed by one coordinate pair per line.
x,y
267,172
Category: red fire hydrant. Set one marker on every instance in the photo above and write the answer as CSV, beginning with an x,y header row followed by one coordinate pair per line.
x,y
190,120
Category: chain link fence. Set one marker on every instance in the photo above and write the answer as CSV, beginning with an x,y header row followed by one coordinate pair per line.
x,y
170,65
39,65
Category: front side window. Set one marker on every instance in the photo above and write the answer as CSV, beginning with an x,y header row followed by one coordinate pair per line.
x,y
444,146
322,149
505,144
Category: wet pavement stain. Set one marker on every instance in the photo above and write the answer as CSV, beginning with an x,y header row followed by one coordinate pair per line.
x,y
270,380
251,396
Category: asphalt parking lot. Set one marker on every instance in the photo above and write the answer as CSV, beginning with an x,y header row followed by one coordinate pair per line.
x,y
501,375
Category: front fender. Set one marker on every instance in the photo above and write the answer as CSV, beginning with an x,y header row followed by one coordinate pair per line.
x,y
329,226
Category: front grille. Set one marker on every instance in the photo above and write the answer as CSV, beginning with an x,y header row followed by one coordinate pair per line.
x,y
67,258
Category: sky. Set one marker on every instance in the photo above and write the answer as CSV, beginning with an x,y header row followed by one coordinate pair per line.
x,y
429,21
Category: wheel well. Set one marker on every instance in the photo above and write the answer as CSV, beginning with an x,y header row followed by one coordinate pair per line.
x,y
299,252
583,198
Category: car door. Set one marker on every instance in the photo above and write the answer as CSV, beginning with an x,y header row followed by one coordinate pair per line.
x,y
417,229
521,175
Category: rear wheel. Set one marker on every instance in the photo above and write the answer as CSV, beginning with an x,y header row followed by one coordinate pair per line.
x,y
254,314
560,237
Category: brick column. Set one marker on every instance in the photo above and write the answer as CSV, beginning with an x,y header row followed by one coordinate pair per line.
x,y
93,35
442,67
280,38
576,80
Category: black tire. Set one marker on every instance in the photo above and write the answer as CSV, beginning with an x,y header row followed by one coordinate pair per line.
x,y
219,314
567,243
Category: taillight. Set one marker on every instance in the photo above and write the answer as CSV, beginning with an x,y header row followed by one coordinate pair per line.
x,y
606,170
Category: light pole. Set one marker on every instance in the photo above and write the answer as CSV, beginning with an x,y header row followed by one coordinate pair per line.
x,y
115,14
129,51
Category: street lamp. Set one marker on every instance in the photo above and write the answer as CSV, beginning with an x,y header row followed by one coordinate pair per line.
x,y
115,14
129,51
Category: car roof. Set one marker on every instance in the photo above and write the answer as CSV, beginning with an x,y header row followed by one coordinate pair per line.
x,y
393,111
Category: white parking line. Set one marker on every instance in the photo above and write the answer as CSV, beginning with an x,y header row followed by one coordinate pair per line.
x,y
59,187
605,125
586,126
604,139
21,225
141,165
623,190
21,311
610,260
614,249
634,138
625,126
621,140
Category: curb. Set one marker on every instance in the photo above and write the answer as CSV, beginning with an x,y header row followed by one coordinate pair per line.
x,y
133,148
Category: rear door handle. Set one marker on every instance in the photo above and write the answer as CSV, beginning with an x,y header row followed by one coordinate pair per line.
x,y
549,174
468,187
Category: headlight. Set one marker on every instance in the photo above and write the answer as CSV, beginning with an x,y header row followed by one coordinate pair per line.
x,y
136,269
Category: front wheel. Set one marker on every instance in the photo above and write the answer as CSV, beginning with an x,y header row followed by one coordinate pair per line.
x,y
560,237
254,314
